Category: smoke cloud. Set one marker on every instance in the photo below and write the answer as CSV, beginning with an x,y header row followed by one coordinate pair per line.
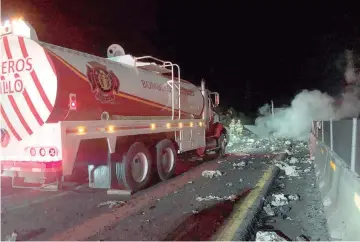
x,y
309,105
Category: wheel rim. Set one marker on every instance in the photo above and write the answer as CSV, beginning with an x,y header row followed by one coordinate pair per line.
x,y
167,160
139,167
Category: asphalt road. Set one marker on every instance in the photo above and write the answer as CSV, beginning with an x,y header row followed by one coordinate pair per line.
x,y
157,213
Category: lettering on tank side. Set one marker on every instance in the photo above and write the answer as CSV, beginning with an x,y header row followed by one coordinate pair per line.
x,y
10,75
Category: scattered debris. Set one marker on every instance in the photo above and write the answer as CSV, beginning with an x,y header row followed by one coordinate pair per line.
x,y
294,197
327,202
307,170
230,198
211,197
241,180
268,236
293,160
229,184
282,211
281,185
211,174
279,200
195,211
289,170
268,210
208,198
248,142
190,182
11,237
288,152
112,204
240,164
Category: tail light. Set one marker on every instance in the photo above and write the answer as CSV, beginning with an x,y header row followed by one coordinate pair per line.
x,y
72,101
42,151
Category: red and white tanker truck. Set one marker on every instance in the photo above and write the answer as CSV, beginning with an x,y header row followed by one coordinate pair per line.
x,y
125,118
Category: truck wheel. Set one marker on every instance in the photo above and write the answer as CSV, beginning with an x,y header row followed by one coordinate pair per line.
x,y
222,142
135,169
166,158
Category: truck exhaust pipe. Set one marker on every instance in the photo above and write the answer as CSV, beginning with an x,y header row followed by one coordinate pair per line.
x,y
204,92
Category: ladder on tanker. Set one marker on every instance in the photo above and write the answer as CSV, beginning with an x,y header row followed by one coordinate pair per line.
x,y
165,67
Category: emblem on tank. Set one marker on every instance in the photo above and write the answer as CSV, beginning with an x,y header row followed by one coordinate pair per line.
x,y
104,84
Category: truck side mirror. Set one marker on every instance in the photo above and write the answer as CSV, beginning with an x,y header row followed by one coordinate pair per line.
x,y
217,99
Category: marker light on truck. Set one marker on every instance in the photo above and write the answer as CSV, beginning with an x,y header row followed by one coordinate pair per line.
x,y
168,125
110,129
152,126
180,125
81,130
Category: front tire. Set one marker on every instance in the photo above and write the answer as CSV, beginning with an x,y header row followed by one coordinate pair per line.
x,y
135,169
222,142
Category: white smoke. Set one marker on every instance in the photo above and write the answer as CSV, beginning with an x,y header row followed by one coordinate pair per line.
x,y
265,109
308,106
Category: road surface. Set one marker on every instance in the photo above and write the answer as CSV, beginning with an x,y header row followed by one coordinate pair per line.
x,y
186,207
152,214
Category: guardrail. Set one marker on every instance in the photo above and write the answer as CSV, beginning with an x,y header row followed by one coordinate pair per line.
x,y
337,167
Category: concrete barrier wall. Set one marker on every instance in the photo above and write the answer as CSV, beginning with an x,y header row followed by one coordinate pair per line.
x,y
339,183
357,150
326,127
342,139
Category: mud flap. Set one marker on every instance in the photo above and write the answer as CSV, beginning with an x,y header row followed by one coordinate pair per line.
x,y
101,176
104,176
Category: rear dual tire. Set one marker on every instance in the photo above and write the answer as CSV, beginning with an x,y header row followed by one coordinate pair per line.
x,y
135,170
166,159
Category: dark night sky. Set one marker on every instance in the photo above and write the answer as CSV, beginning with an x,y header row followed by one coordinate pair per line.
x,y
269,51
